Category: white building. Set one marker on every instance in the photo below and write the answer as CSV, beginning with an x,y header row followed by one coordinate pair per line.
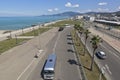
x,y
92,19
89,18
78,17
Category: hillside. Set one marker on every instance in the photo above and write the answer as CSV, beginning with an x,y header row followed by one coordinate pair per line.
x,y
68,14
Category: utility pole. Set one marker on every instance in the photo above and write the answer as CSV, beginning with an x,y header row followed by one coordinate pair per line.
x,y
10,34
39,37
22,31
16,39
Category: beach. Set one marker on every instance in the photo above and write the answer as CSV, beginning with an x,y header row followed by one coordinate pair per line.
x,y
4,35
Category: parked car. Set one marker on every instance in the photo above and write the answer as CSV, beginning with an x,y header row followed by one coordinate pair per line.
x,y
101,54
60,28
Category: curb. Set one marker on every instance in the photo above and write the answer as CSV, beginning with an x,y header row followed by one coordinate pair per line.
x,y
82,72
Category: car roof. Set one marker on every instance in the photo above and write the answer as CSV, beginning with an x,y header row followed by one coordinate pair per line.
x,y
103,53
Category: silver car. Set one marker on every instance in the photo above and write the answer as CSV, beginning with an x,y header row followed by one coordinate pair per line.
x,y
101,55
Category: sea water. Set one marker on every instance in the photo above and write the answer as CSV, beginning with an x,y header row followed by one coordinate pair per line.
x,y
14,23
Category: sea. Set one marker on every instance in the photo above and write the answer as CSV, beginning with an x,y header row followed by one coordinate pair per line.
x,y
15,23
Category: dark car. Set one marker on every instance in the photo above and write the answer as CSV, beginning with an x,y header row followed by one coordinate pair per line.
x,y
60,28
101,55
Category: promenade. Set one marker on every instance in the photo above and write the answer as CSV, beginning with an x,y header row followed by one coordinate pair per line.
x,y
115,43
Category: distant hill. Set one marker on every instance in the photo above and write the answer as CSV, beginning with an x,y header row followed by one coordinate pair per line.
x,y
71,14
117,13
107,14
68,14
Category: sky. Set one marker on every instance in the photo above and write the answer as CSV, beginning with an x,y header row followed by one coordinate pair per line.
x,y
46,7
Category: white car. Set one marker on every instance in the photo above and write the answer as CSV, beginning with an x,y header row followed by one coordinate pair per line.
x,y
101,55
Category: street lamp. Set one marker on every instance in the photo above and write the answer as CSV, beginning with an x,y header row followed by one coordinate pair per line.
x,y
16,39
10,34
39,36
22,31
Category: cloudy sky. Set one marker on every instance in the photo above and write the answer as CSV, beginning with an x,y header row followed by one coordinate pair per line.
x,y
41,7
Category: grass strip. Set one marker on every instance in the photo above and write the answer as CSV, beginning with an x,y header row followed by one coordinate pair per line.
x,y
64,22
35,32
10,43
86,60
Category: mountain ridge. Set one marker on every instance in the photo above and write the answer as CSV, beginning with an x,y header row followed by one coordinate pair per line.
x,y
71,14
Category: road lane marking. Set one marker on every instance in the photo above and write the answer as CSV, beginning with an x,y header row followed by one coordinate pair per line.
x,y
56,43
108,69
104,68
25,69
40,51
34,67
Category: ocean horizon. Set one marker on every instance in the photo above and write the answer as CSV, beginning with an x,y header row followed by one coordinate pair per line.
x,y
15,23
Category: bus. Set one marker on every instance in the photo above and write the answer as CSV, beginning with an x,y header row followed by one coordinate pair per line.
x,y
49,68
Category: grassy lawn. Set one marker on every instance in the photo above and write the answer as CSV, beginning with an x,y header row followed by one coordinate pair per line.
x,y
57,24
10,43
86,60
117,27
62,23
35,32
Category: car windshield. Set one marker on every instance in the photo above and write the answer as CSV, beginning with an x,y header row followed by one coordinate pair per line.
x,y
48,72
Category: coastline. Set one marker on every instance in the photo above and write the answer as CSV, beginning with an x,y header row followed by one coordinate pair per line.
x,y
4,35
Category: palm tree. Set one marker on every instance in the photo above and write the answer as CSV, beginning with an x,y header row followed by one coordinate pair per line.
x,y
80,29
76,26
95,40
86,32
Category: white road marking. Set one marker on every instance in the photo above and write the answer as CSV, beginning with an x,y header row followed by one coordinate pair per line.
x,y
40,51
33,68
26,69
104,68
56,43
108,69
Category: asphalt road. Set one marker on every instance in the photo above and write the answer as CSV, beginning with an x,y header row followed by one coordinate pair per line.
x,y
18,62
66,66
111,65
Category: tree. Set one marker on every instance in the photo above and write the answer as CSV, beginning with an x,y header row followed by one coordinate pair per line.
x,y
76,26
95,40
80,29
86,32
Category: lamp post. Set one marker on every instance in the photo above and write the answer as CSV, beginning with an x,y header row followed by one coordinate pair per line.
x,y
22,31
39,37
10,34
16,38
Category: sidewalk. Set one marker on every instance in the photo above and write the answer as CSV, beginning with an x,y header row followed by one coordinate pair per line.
x,y
111,41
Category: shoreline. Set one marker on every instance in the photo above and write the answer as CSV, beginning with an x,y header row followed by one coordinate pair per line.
x,y
4,35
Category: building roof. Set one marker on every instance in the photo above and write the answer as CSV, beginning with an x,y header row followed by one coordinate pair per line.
x,y
50,64
109,22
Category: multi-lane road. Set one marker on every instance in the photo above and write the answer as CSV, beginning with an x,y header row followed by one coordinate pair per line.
x,y
66,66
111,65
19,63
